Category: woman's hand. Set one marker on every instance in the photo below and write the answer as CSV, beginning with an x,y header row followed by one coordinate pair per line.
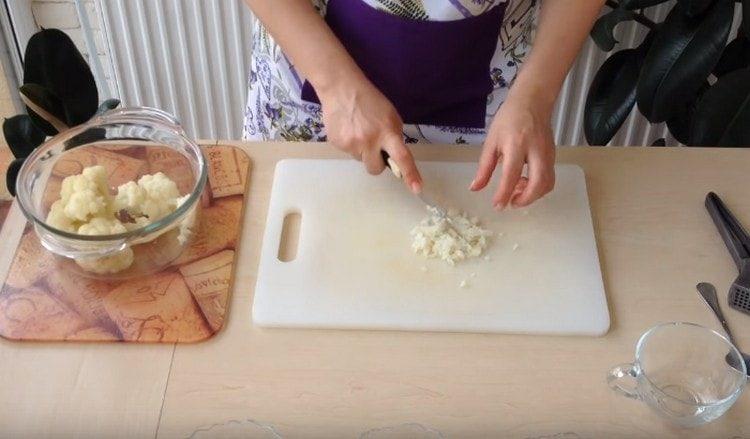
x,y
361,121
520,134
357,117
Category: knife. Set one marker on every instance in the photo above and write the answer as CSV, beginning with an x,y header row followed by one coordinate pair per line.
x,y
426,199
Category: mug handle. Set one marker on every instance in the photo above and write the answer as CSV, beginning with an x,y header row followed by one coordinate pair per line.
x,y
618,374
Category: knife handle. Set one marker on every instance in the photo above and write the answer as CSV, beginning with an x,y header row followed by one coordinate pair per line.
x,y
391,164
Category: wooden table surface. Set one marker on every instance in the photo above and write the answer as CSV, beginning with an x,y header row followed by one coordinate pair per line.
x,y
655,242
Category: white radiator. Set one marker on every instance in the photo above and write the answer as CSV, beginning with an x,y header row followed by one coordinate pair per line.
x,y
191,57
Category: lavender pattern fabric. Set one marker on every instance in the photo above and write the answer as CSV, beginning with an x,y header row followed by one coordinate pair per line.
x,y
275,110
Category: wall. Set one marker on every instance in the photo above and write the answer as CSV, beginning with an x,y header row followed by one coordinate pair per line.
x,y
7,109
7,104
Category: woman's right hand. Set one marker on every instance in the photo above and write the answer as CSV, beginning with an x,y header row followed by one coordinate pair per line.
x,y
358,118
361,121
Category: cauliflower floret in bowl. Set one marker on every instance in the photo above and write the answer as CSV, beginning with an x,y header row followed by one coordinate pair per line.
x,y
105,265
102,226
130,197
115,197
87,208
85,195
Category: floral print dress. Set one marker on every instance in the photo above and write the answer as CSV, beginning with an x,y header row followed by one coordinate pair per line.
x,y
276,111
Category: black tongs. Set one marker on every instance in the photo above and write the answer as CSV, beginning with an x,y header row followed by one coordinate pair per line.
x,y
737,241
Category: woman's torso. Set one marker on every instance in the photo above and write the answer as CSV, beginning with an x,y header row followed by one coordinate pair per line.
x,y
276,111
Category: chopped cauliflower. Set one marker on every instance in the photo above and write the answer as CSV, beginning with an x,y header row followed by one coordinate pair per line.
x,y
87,207
452,238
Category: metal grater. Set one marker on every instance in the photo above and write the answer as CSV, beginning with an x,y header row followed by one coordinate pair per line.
x,y
739,299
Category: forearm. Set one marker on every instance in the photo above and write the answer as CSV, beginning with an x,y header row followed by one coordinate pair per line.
x,y
308,41
561,32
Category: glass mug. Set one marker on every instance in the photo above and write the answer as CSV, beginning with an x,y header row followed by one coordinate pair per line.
x,y
688,374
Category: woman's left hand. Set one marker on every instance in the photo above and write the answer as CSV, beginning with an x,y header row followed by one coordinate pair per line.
x,y
520,134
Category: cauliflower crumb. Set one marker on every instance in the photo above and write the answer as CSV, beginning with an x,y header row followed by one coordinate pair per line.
x,y
463,284
515,247
451,239
87,207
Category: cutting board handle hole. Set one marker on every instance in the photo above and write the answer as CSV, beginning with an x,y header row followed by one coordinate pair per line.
x,y
290,237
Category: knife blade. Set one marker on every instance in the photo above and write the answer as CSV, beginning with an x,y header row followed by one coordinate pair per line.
x,y
426,199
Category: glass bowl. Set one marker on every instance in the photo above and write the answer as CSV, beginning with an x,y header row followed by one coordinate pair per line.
x,y
128,143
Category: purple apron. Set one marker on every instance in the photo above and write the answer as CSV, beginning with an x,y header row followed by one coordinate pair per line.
x,y
434,72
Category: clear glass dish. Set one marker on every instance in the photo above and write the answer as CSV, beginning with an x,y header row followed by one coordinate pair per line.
x,y
129,143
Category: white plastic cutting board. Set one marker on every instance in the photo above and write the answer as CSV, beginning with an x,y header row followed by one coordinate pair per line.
x,y
354,266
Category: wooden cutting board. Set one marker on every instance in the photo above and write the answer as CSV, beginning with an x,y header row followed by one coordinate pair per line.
x,y
354,267
43,300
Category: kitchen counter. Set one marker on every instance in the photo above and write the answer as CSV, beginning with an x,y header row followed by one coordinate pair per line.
x,y
655,242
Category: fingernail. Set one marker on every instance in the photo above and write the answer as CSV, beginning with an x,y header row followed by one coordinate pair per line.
x,y
499,207
471,186
416,187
